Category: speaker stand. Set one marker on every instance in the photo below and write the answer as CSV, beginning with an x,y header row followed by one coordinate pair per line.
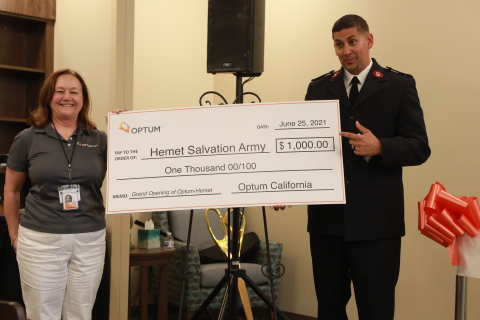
x,y
234,273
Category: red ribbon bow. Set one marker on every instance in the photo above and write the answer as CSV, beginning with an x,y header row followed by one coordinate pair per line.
x,y
442,217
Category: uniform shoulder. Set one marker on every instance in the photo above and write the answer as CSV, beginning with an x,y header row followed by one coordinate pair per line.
x,y
398,72
324,75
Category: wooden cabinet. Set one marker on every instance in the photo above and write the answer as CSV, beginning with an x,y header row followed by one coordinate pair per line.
x,y
26,59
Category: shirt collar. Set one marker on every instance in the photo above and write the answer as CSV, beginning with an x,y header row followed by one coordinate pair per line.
x,y
347,76
49,130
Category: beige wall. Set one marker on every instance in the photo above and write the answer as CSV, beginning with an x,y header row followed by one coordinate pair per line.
x,y
430,39
91,38
170,54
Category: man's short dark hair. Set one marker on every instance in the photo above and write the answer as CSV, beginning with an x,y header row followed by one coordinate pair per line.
x,y
351,21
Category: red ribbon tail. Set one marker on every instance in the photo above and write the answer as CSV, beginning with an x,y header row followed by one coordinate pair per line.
x,y
453,252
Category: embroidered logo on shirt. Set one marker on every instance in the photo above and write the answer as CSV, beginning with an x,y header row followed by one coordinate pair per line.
x,y
87,145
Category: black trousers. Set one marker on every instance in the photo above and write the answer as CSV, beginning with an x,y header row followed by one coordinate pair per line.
x,y
372,266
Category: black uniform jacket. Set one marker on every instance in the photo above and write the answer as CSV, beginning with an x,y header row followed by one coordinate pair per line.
x,y
388,105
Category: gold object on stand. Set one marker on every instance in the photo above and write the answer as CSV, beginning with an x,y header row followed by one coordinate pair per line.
x,y
223,244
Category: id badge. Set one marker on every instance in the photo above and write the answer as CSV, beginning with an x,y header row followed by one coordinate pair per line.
x,y
69,196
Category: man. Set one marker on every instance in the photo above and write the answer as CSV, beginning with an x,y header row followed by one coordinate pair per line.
x,y
383,130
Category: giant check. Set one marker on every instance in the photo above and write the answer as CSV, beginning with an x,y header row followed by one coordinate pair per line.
x,y
225,156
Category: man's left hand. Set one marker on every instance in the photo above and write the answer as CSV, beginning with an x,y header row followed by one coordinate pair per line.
x,y
364,144
279,207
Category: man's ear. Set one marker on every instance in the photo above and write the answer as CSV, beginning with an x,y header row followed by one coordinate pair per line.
x,y
370,40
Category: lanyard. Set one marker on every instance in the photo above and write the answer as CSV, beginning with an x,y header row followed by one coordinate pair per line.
x,y
69,161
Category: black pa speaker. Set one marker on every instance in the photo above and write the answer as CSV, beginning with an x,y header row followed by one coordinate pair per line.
x,y
236,32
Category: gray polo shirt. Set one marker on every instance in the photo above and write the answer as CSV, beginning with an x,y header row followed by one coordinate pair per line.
x,y
38,152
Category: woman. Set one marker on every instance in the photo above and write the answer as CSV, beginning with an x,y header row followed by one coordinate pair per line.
x,y
60,239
